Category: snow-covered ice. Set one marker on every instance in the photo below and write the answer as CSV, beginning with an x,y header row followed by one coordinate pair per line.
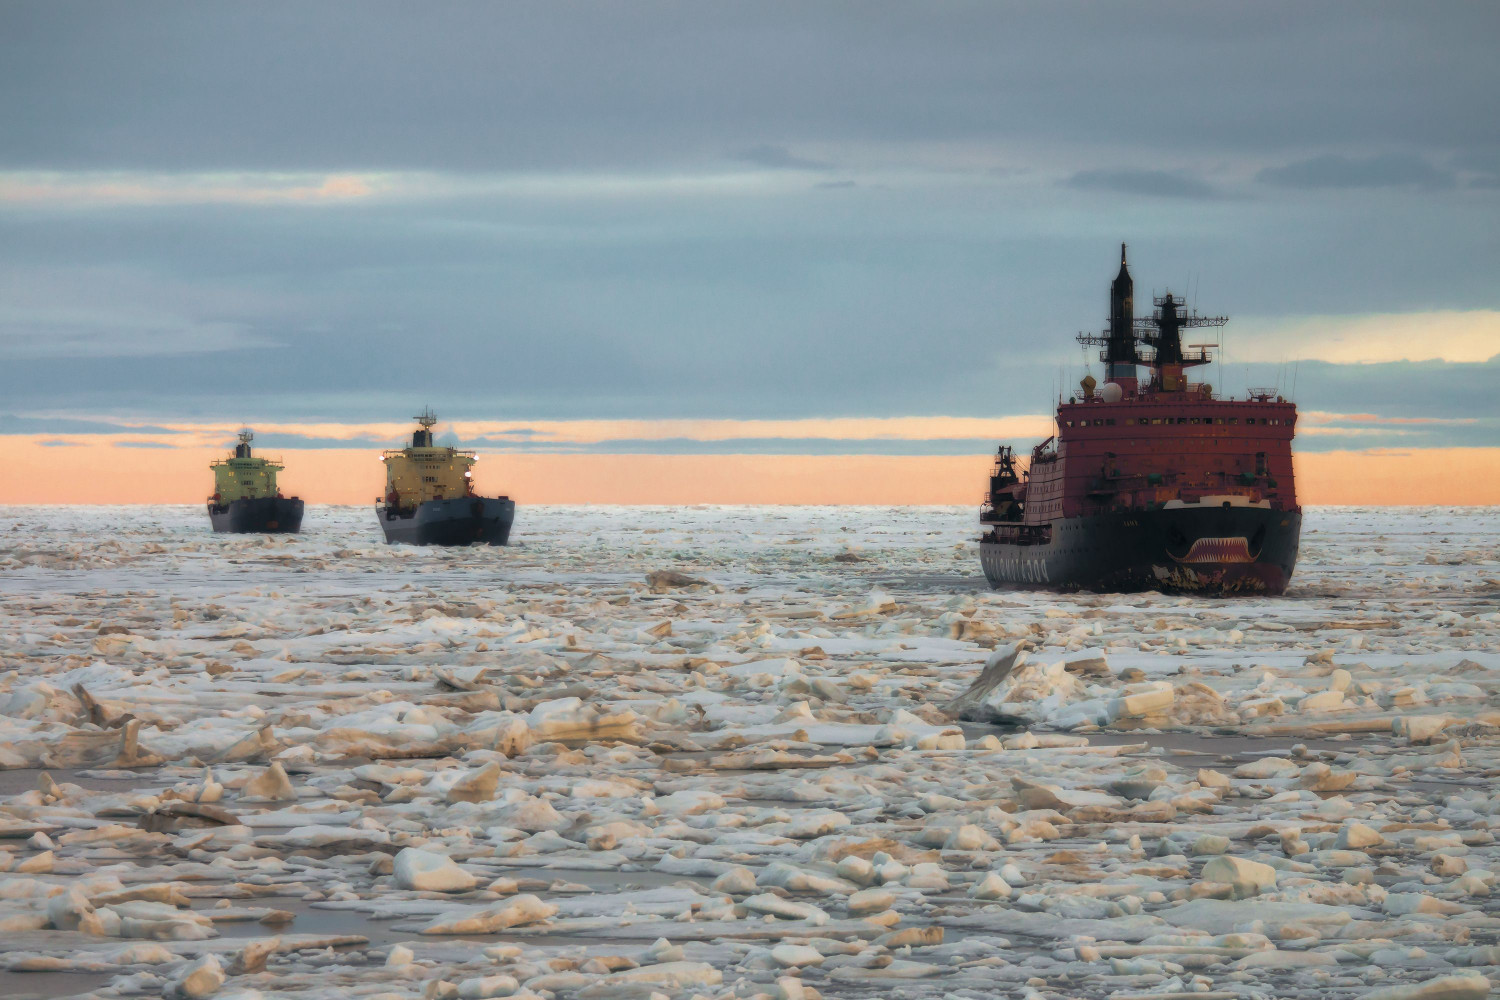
x,y
738,752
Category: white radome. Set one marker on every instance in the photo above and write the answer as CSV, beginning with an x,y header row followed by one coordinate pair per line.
x,y
1112,393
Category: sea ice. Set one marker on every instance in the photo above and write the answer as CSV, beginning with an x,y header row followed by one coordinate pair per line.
x,y
702,752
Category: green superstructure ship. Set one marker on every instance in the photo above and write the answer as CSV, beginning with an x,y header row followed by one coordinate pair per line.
x,y
246,497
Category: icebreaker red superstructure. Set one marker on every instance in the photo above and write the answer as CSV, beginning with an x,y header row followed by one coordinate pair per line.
x,y
1155,485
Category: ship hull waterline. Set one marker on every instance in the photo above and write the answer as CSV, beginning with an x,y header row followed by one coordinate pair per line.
x,y
1212,552
261,515
459,521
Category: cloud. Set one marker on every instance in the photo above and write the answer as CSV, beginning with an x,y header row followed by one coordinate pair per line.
x,y
86,337
1153,183
717,432
1446,335
1322,438
1402,395
1321,430
779,158
95,188
754,446
302,441
1481,165
1378,432
594,212
604,85
1335,171
83,313
1324,417
841,436
11,423
273,189
588,433
1447,392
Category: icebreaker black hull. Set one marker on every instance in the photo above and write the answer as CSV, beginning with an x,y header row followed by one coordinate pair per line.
x,y
1209,551
265,515
460,521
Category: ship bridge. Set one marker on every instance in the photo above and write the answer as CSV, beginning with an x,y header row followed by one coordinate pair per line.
x,y
1153,448
425,471
243,476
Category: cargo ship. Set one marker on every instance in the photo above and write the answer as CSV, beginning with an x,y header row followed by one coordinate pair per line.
x,y
430,499
246,499
1149,484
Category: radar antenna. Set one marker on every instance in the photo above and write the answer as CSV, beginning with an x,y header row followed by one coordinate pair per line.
x,y
426,418
246,435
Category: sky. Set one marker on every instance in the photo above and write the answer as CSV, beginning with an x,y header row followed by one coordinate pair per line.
x,y
798,251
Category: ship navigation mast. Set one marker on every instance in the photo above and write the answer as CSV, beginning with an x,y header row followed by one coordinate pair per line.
x,y
1162,335
426,419
1119,338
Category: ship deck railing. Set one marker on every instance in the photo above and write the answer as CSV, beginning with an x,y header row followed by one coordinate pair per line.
x,y
401,452
277,461
1196,392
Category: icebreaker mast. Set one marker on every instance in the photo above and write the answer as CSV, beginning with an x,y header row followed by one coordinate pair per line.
x,y
1119,353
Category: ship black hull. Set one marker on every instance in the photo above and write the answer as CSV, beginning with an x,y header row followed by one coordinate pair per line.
x,y
265,515
461,521
1210,551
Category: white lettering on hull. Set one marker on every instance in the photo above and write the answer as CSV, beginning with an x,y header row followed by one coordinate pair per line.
x,y
1017,569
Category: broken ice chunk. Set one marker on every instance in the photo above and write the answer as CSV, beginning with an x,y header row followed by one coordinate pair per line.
x,y
425,870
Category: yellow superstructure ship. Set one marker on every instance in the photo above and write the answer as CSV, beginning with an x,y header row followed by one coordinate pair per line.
x,y
429,496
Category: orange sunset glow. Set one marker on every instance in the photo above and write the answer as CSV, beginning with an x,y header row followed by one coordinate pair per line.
x,y
99,472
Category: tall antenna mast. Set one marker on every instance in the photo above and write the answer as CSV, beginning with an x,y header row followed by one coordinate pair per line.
x,y
1119,340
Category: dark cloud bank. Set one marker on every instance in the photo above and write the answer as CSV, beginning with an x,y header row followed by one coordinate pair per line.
x,y
934,200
